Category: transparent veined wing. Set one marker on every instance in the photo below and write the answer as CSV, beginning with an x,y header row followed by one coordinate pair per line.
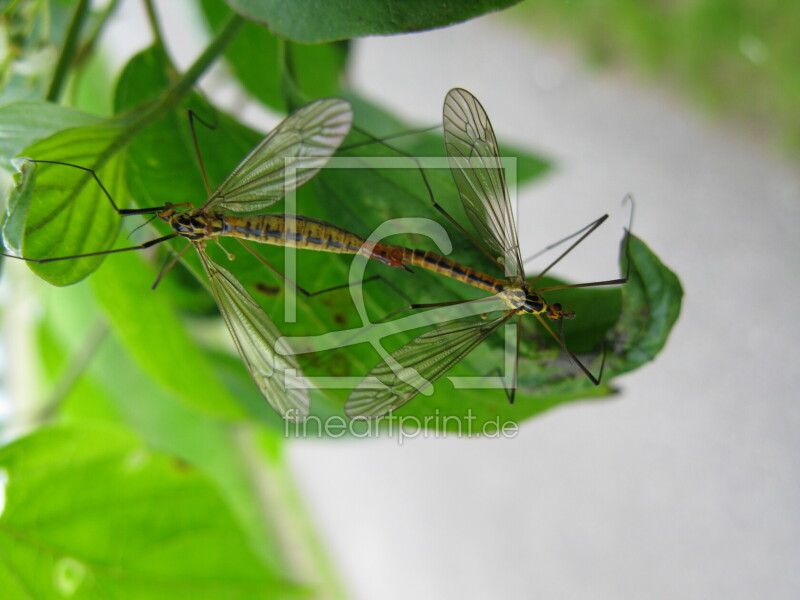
x,y
423,360
304,141
278,377
478,173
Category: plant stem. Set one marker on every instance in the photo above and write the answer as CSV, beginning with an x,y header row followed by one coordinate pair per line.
x,y
181,87
91,39
68,50
285,516
139,119
71,373
158,39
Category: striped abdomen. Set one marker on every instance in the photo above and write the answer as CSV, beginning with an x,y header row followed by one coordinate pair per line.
x,y
303,232
450,268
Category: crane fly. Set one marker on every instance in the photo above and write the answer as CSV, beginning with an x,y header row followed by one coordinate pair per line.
x,y
475,165
285,159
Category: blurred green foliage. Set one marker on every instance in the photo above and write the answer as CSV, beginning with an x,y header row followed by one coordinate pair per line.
x,y
734,57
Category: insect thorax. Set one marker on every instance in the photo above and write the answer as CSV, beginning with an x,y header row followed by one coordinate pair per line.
x,y
526,300
194,225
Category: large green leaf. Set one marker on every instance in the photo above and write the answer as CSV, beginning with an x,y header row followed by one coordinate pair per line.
x,y
22,124
91,513
652,304
313,21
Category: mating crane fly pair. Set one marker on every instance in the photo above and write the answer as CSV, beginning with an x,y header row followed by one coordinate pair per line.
x,y
288,157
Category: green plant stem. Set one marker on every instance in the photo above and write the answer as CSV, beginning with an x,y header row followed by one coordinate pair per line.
x,y
68,50
152,17
91,39
140,119
173,96
77,366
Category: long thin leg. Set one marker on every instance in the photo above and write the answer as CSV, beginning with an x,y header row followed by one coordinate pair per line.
x,y
168,266
572,246
40,261
589,229
435,204
516,363
560,339
192,117
619,281
431,305
562,240
123,212
382,140
571,354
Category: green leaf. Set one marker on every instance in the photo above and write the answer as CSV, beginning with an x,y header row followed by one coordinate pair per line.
x,y
70,215
91,513
356,18
652,304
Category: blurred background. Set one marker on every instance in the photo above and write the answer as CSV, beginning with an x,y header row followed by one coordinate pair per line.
x,y
686,483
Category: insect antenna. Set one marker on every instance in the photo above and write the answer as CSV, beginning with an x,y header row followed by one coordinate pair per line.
x,y
138,227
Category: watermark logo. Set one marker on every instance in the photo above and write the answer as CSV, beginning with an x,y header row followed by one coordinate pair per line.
x,y
402,427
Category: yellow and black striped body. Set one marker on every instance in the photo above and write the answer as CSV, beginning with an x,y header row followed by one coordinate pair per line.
x,y
278,229
518,295
450,268
312,234
292,231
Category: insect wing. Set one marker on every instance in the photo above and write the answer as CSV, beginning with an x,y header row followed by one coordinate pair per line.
x,y
476,168
277,376
423,360
289,156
